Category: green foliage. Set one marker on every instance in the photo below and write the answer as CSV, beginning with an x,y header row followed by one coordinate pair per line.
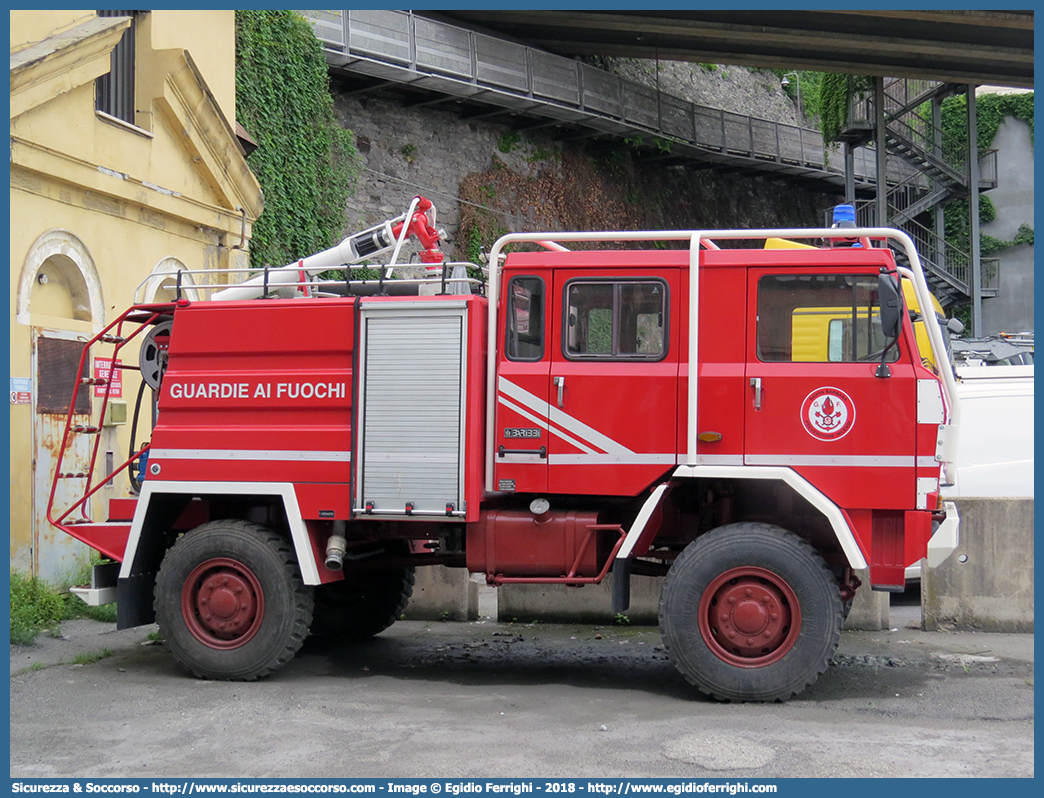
x,y
35,606
306,163
835,91
620,619
75,607
809,85
991,109
509,142
474,249
89,657
540,155
409,152
991,246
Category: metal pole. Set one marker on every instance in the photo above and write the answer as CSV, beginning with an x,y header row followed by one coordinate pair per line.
x,y
973,202
882,153
940,219
849,172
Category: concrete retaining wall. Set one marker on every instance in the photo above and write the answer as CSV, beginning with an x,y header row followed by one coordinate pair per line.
x,y
588,604
992,589
443,594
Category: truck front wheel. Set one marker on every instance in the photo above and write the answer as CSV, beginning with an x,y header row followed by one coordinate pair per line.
x,y
750,612
230,601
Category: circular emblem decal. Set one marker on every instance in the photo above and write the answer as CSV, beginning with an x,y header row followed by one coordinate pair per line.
x,y
828,414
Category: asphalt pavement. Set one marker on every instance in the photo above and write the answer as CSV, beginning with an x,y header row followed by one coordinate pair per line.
x,y
486,699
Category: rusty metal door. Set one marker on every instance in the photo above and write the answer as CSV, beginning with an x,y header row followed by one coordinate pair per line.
x,y
56,357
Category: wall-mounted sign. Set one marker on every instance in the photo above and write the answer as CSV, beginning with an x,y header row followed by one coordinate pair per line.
x,y
101,371
21,391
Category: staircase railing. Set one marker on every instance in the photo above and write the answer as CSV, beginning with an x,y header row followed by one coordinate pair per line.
x,y
948,267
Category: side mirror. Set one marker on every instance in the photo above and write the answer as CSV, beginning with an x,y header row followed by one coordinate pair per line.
x,y
891,306
956,326
891,310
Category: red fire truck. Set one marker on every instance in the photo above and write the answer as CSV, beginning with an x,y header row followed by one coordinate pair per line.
x,y
587,414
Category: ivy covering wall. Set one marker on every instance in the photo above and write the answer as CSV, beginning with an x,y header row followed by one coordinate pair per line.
x,y
834,92
991,110
305,162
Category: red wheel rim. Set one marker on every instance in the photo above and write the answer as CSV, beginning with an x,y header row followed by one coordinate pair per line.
x,y
749,617
222,603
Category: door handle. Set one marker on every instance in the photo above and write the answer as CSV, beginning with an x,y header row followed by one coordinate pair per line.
x,y
755,383
560,384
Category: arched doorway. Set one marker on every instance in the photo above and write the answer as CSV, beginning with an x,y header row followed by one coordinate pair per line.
x,y
60,300
162,285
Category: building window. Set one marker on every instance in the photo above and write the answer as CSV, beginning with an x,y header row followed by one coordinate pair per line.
x,y
114,92
821,318
615,320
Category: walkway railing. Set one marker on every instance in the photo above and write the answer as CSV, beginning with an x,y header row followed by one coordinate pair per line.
x,y
398,46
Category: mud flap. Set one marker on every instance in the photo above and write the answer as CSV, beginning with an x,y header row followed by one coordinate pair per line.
x,y
134,600
621,585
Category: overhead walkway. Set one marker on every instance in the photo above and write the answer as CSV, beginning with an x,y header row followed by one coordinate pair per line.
x,y
399,48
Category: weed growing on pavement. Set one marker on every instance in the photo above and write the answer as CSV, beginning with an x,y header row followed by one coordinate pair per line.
x,y
89,657
37,606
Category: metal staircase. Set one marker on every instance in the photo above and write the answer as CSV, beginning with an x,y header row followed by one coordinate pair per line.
x,y
914,135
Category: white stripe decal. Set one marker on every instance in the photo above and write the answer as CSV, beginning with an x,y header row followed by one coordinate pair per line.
x,y
251,454
563,420
543,423
521,459
848,461
713,459
612,459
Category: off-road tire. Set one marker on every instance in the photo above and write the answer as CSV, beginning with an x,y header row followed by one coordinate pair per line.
x,y
363,604
750,612
230,601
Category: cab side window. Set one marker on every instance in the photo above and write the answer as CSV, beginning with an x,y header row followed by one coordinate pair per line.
x,y
820,318
615,320
525,319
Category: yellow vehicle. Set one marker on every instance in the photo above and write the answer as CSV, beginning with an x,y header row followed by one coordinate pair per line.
x,y
825,334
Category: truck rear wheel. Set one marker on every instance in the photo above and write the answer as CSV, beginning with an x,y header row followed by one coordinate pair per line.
x,y
230,601
362,605
750,612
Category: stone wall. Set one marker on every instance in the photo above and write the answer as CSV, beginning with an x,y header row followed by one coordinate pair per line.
x,y
532,181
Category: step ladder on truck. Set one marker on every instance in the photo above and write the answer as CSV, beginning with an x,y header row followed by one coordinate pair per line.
x,y
583,415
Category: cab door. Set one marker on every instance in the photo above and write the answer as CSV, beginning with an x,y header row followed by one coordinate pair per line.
x,y
522,437
815,402
613,388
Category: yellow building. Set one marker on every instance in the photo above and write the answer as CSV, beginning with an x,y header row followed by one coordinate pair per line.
x,y
124,164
